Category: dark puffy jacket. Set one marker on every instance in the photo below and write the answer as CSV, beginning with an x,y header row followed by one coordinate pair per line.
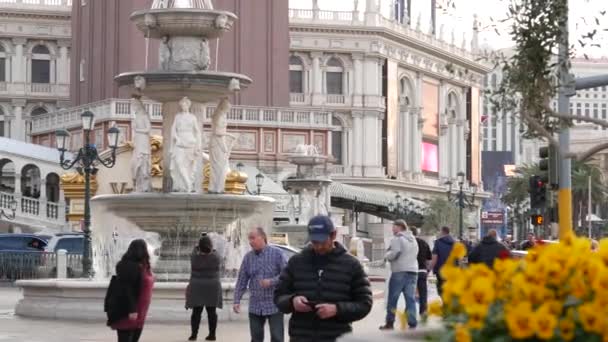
x,y
342,281
442,248
487,251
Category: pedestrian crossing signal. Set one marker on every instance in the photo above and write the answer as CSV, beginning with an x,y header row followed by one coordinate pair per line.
x,y
538,220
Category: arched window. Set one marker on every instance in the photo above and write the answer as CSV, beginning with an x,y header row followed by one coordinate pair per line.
x,y
38,111
7,176
296,75
336,140
334,77
452,105
41,64
52,187
2,64
30,181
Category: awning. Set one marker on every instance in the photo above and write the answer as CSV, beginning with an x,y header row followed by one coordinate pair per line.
x,y
370,201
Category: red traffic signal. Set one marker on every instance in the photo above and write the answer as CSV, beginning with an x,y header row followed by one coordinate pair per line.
x,y
537,220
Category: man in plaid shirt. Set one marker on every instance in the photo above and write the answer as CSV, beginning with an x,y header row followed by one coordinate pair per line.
x,y
260,273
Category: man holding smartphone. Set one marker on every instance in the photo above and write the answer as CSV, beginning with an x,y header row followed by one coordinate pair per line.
x,y
324,288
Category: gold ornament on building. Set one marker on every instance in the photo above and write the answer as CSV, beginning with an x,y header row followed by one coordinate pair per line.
x,y
72,184
235,181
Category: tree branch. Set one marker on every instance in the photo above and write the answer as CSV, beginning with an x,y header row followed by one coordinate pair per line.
x,y
590,152
598,122
540,129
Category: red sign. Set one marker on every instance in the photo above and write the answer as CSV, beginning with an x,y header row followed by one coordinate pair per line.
x,y
492,217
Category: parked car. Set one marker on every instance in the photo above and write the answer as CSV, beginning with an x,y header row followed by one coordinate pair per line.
x,y
73,244
288,251
20,255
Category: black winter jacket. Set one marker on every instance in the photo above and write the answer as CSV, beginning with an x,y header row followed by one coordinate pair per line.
x,y
340,280
123,293
487,251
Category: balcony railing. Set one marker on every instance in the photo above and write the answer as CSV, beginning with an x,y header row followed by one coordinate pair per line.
x,y
336,99
312,16
53,90
62,3
34,208
297,98
120,109
41,87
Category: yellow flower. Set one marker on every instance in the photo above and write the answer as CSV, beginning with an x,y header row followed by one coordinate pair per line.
x,y
459,251
603,251
481,292
566,329
435,308
402,316
544,323
519,320
462,334
600,283
590,319
476,315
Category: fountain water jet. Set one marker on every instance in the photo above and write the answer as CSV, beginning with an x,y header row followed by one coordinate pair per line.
x,y
171,221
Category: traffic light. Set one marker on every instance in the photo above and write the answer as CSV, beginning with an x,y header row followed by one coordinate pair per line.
x,y
538,192
537,220
549,165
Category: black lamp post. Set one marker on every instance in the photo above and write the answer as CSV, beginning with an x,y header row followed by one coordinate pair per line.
x,y
259,181
461,199
401,208
12,205
87,158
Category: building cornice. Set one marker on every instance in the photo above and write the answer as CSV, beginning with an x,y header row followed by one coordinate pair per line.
x,y
403,40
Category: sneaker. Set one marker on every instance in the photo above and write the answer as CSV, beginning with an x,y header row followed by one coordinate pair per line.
x,y
210,338
387,326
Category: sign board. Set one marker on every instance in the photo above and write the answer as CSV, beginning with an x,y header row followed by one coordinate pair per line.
x,y
279,239
492,217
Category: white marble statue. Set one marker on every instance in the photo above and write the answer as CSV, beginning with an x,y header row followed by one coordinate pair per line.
x,y
186,148
140,160
220,146
307,150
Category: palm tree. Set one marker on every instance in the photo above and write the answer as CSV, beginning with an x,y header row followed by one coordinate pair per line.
x,y
580,189
518,187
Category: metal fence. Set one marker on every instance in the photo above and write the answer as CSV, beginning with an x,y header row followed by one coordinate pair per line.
x,y
36,265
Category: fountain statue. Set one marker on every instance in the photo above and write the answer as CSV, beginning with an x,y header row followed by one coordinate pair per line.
x,y
186,145
220,145
171,221
141,158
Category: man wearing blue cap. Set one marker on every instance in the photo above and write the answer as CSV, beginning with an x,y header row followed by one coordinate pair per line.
x,y
324,288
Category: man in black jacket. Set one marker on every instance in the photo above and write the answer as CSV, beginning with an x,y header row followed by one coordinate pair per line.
x,y
323,287
488,250
424,260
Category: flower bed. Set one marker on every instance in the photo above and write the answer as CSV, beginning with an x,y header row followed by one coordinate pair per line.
x,y
558,292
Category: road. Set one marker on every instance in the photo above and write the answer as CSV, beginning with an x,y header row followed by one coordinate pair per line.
x,y
17,329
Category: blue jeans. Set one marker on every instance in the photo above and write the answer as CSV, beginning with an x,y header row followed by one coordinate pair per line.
x,y
256,327
402,282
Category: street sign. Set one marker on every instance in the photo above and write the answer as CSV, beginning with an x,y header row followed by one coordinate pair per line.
x,y
492,217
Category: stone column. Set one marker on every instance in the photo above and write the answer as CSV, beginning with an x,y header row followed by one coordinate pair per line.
x,y
461,146
444,146
453,149
370,139
372,15
18,61
349,150
357,143
17,184
407,147
317,75
358,91
63,63
18,122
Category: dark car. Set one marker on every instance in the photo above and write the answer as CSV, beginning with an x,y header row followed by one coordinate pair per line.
x,y
73,244
20,255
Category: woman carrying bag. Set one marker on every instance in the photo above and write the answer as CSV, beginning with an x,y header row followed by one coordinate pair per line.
x,y
204,289
130,292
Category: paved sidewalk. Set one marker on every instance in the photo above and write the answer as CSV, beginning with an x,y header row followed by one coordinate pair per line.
x,y
16,329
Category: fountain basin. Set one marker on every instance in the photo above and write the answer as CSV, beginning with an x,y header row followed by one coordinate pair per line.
x,y
83,300
157,23
199,86
156,212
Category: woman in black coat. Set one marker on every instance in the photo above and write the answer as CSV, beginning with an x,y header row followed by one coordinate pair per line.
x,y
204,289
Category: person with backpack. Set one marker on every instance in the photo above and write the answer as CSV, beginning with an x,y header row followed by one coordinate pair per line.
x,y
402,254
130,292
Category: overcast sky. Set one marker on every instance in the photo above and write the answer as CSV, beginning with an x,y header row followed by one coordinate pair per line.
x,y
582,19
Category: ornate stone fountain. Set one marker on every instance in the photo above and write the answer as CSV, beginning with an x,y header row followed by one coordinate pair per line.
x,y
171,221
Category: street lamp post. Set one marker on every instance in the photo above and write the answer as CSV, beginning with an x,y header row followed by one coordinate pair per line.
x,y
259,181
12,205
87,158
401,208
461,200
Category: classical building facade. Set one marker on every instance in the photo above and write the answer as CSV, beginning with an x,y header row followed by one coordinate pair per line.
x,y
34,62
